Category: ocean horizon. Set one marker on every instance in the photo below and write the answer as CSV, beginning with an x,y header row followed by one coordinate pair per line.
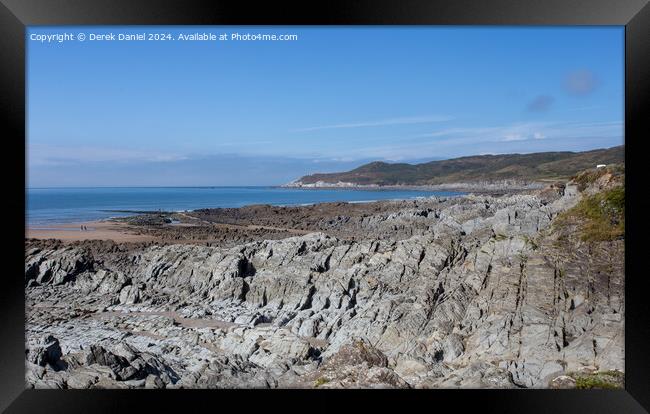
x,y
61,205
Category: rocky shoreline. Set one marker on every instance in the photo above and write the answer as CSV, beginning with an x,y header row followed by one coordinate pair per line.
x,y
484,187
478,291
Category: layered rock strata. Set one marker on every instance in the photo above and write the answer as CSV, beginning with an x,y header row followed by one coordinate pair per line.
x,y
473,291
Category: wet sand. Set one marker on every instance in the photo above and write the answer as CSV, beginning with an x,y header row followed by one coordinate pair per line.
x,y
96,230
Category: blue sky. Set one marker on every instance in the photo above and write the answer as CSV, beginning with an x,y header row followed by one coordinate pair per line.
x,y
263,113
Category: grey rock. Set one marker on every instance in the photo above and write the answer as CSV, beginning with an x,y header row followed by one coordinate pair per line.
x,y
563,382
474,291
153,381
47,352
55,267
129,295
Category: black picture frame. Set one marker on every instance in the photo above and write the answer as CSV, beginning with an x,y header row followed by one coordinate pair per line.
x,y
16,15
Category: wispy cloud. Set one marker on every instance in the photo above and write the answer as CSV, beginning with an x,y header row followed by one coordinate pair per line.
x,y
43,154
515,137
529,130
243,143
504,133
381,122
52,165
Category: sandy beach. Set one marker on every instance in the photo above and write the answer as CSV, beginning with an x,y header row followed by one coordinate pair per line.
x,y
96,230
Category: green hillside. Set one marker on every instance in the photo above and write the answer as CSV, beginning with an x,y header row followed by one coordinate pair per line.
x,y
529,167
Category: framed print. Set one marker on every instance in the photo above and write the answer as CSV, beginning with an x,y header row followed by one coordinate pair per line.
x,y
362,200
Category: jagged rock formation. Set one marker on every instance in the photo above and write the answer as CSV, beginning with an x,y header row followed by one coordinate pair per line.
x,y
475,291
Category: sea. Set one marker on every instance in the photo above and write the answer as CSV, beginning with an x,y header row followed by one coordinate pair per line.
x,y
47,206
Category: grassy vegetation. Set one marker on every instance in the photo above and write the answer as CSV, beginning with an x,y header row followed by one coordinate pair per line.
x,y
608,380
536,166
320,381
531,242
590,176
601,216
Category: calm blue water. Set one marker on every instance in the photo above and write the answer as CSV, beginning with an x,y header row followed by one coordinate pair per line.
x,y
65,205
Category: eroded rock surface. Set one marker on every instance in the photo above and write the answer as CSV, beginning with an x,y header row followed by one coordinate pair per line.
x,y
474,291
